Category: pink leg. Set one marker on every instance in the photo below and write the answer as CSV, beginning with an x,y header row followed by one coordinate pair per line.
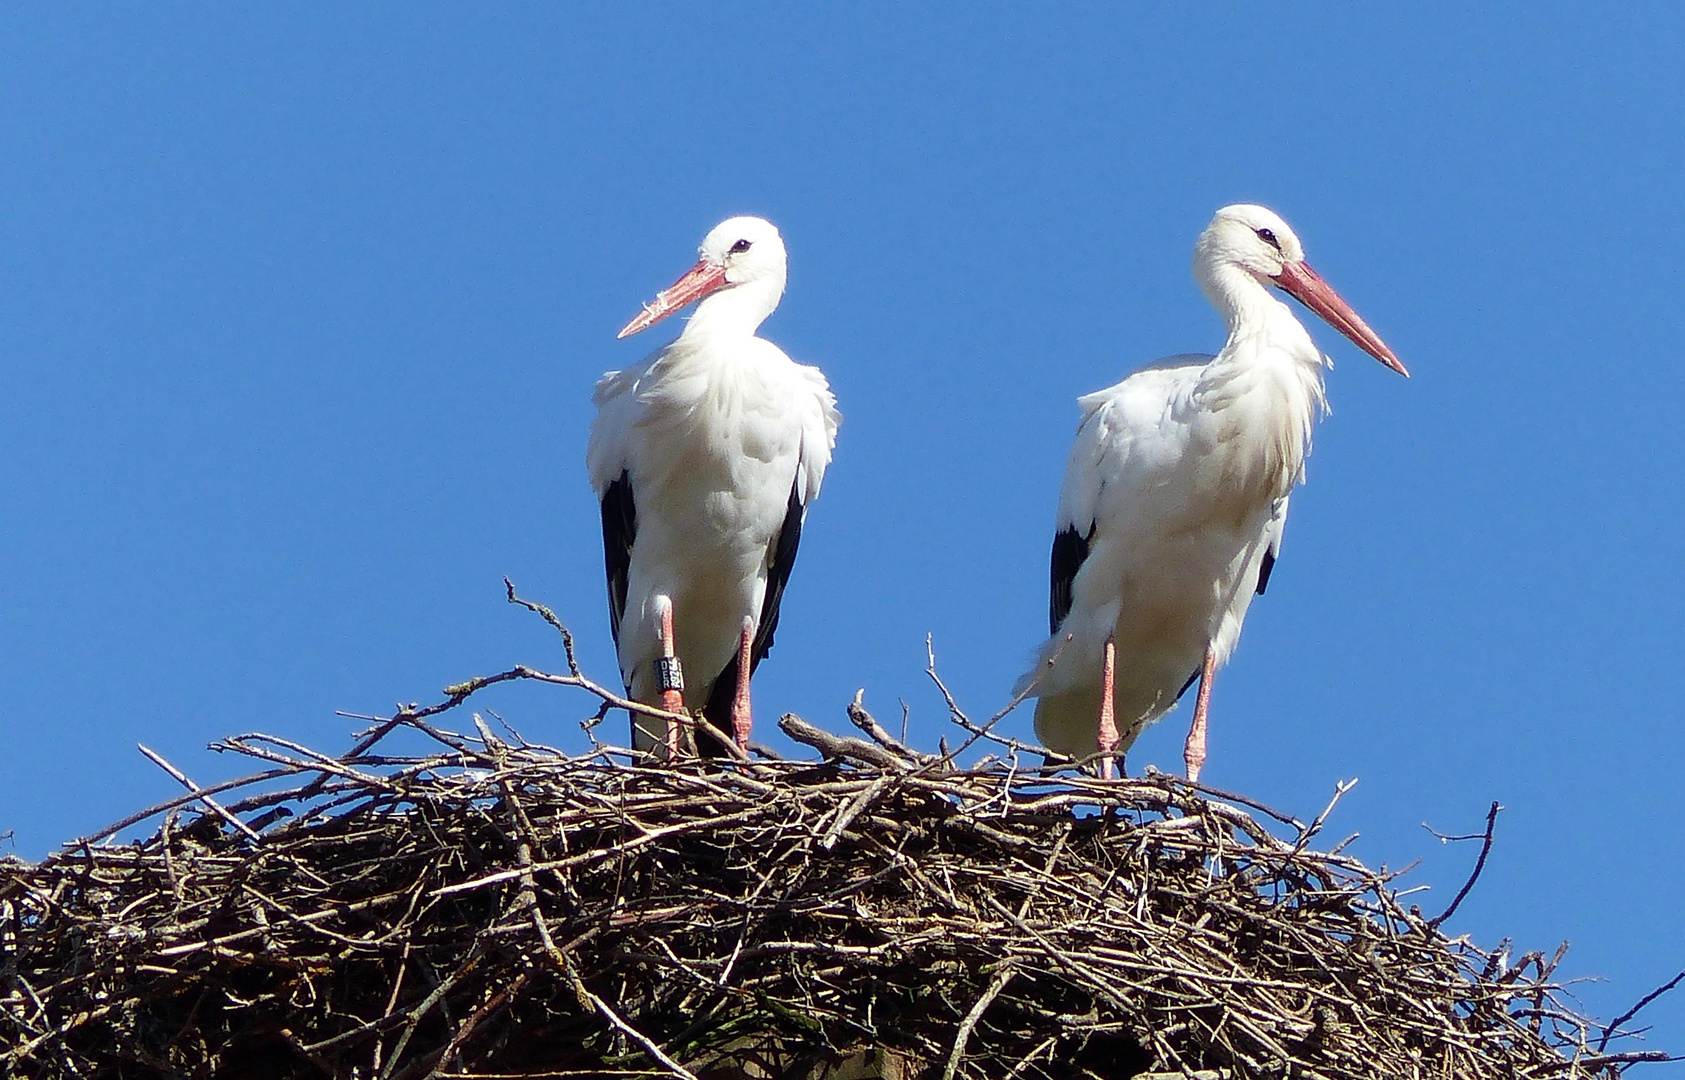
x,y
672,680
1193,754
740,718
1108,722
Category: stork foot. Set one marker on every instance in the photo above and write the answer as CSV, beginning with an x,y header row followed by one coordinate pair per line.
x,y
1108,735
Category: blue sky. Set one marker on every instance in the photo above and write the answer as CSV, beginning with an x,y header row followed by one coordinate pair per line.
x,y
300,312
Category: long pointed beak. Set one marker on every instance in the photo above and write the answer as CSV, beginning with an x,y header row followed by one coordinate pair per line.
x,y
700,280
1306,286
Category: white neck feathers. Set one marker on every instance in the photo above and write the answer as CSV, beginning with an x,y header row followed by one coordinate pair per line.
x,y
734,311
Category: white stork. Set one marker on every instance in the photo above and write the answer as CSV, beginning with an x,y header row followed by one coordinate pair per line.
x,y
705,456
1175,497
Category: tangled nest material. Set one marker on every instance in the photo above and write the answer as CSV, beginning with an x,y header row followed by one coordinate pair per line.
x,y
489,907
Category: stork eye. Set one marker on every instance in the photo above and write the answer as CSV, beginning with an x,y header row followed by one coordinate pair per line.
x,y
1268,237
739,248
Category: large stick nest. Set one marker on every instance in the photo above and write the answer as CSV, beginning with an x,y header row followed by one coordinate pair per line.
x,y
490,907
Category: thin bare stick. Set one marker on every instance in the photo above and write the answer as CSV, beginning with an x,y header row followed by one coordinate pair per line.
x,y
1615,1024
197,795
840,746
853,809
198,792
550,617
985,730
866,722
592,1001
1479,865
1002,976
1340,789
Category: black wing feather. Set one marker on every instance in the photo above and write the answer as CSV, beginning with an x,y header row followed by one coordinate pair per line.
x,y
620,530
718,708
1070,551
1264,571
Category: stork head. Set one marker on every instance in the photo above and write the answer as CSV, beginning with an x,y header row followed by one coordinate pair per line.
x,y
1255,241
1252,238
742,256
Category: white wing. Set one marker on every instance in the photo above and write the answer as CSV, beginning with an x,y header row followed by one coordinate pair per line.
x,y
1121,436
820,420
609,452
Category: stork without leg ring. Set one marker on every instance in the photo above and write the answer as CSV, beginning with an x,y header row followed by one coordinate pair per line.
x,y
670,676
1108,740
740,717
1193,753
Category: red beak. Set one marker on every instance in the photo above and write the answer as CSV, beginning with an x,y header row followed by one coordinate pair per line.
x,y
698,281
1306,286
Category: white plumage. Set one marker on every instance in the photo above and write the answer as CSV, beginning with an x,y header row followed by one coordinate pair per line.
x,y
706,455
1176,491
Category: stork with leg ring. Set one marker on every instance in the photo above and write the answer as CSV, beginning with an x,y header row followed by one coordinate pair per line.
x,y
705,456
1175,497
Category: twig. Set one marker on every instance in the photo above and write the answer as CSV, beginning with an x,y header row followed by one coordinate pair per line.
x,y
198,792
473,1023
866,722
840,746
1002,976
985,730
1614,1025
1479,864
854,808
1340,789
421,1010
550,617
1631,1057
197,795
592,1001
